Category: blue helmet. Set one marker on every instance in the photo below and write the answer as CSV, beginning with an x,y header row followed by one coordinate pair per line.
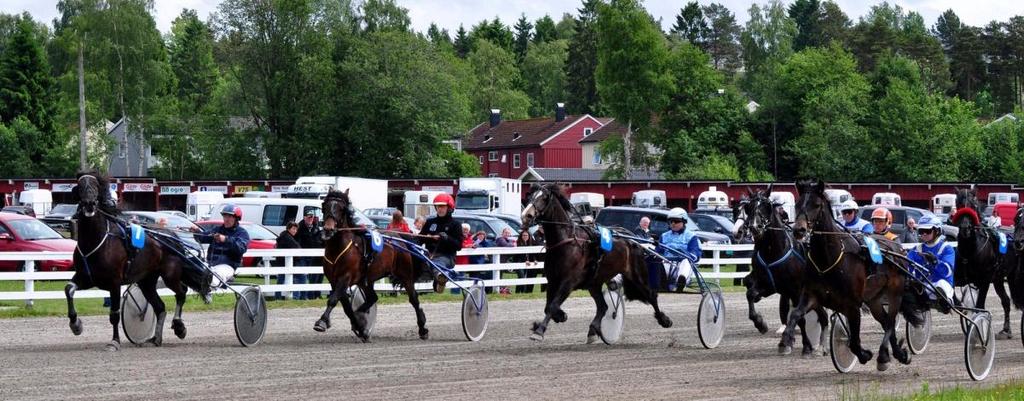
x,y
929,222
232,210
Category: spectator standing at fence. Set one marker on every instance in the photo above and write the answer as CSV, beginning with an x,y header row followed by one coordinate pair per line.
x,y
309,238
286,240
527,259
398,223
467,243
418,224
909,235
479,241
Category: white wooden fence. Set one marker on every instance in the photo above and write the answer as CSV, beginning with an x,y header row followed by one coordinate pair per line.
x,y
720,255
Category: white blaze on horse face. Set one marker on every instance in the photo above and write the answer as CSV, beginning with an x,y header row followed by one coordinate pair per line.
x,y
526,212
738,226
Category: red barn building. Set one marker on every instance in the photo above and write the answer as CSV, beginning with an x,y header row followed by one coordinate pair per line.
x,y
507,148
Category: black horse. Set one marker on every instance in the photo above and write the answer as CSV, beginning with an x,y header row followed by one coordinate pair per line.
x,y
1015,275
978,259
777,265
104,259
843,279
573,260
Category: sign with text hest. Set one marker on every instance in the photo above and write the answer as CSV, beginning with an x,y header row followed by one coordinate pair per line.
x,y
175,190
138,187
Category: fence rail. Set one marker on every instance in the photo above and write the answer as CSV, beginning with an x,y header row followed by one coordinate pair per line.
x,y
716,257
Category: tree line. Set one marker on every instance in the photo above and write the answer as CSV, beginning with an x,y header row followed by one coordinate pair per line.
x,y
294,87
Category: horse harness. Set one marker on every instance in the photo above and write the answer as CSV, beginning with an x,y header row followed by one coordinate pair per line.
x,y
130,250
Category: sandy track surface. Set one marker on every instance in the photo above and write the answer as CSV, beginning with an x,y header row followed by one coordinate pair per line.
x,y
41,359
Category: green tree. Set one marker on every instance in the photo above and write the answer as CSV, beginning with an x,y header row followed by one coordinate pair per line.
x,y
543,73
439,37
524,32
691,25
633,74
462,43
495,32
768,36
722,39
26,87
808,15
962,45
887,29
546,30
191,58
580,67
566,27
384,15
495,73
835,24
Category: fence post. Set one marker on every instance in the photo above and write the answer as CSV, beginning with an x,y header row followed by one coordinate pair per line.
x,y
288,263
718,267
30,285
265,262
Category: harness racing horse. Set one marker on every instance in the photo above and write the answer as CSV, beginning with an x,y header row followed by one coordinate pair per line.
x,y
573,260
842,279
777,265
104,259
349,260
978,259
1015,275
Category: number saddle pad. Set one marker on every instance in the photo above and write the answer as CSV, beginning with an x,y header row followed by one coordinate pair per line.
x,y
138,234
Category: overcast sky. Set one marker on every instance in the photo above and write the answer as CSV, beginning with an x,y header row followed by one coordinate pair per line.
x,y
450,13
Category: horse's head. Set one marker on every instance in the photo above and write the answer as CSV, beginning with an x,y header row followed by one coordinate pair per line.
x,y
760,212
92,192
967,197
337,213
1018,230
812,208
543,201
967,221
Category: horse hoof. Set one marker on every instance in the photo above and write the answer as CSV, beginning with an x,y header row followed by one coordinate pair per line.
x,y
863,359
424,334
883,366
785,349
113,346
321,326
593,338
807,353
663,320
760,326
537,337
560,316
1004,335
157,341
76,327
179,329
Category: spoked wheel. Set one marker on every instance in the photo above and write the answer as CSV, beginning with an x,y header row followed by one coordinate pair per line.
x,y
968,299
980,347
711,319
813,328
918,337
839,339
250,317
474,312
137,318
358,299
614,318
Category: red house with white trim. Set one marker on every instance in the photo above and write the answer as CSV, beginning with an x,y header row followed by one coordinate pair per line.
x,y
507,148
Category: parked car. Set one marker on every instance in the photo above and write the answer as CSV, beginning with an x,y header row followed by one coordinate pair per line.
x,y
713,223
20,233
492,226
629,218
22,210
181,227
260,237
724,212
62,211
380,211
176,213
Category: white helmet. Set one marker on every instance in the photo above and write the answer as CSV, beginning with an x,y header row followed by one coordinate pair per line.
x,y
677,213
848,205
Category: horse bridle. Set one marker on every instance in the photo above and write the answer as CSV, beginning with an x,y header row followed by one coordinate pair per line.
x,y
802,211
543,211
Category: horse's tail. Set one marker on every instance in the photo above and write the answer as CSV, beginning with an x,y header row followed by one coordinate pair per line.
x,y
635,280
1015,279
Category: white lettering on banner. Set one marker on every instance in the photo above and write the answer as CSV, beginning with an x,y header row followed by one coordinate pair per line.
x,y
174,190
62,187
214,188
31,185
278,188
440,188
137,187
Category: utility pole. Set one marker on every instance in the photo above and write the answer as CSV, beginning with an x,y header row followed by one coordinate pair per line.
x,y
83,137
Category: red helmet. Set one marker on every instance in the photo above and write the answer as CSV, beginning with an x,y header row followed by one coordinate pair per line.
x,y
444,199
232,210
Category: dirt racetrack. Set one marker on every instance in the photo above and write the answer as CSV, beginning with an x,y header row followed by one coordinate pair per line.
x,y
41,359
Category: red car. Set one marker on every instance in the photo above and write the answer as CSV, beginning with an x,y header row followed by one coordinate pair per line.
x,y
20,233
259,237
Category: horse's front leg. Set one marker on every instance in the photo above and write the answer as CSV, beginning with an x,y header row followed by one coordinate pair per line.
x,y
602,308
752,314
807,302
1004,299
115,318
69,292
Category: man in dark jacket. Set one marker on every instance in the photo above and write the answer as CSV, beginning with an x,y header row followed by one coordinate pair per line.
x,y
309,237
228,242
445,237
287,240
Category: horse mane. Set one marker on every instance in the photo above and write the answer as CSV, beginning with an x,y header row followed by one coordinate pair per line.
x,y
968,212
106,203
558,191
343,197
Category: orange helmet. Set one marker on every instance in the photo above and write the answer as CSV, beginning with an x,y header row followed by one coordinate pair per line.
x,y
882,213
444,199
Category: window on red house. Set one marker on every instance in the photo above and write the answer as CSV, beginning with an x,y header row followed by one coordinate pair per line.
x,y
529,160
515,160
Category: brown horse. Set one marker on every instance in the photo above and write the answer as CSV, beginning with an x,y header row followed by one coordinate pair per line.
x,y
349,260
843,278
573,260
103,259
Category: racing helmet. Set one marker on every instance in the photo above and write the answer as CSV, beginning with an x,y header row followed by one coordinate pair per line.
x,y
883,214
231,209
444,199
929,222
677,213
848,205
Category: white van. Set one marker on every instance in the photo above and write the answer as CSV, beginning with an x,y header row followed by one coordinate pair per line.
x,y
200,204
886,199
261,194
787,200
650,198
944,203
275,213
419,203
595,199
712,199
41,200
993,197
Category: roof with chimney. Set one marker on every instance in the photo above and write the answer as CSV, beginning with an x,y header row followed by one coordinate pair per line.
x,y
581,174
610,129
498,133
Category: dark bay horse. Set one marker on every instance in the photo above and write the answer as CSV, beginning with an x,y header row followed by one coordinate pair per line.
x,y
573,260
978,259
778,265
349,260
104,260
842,278
1015,275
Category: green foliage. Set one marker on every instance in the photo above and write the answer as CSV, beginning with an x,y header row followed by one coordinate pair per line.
x,y
495,75
545,30
524,32
581,65
768,37
722,39
26,87
494,32
691,25
191,58
544,76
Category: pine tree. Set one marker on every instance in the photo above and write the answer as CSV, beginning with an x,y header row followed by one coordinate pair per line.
x,y
691,25
523,29
26,87
462,43
581,91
